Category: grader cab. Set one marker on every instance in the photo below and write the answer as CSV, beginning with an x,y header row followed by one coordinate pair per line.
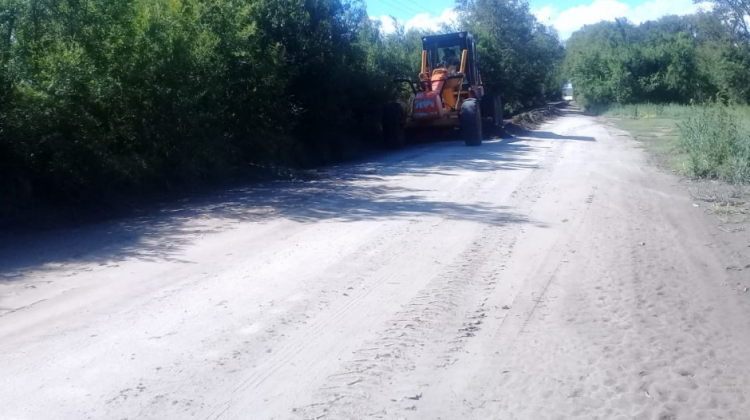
x,y
448,93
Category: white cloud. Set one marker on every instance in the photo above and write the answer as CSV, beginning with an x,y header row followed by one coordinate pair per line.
x,y
425,21
545,14
387,24
570,20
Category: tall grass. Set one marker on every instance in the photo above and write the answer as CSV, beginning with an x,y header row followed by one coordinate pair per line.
x,y
717,141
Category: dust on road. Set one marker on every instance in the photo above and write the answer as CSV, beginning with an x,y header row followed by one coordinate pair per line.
x,y
553,276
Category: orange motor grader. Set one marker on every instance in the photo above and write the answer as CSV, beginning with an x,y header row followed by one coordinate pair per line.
x,y
447,94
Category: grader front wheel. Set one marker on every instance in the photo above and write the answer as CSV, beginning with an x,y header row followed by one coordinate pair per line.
x,y
471,122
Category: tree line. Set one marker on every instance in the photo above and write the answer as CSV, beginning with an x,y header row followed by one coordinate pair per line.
x,y
101,97
700,58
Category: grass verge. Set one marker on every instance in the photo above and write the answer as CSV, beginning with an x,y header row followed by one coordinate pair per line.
x,y
656,127
708,144
702,142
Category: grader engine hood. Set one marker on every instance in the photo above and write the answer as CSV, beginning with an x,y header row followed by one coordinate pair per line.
x,y
427,106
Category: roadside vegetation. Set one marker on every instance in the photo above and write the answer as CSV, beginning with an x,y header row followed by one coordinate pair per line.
x,y
101,98
680,84
702,141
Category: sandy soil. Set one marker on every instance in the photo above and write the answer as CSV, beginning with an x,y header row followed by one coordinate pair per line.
x,y
555,276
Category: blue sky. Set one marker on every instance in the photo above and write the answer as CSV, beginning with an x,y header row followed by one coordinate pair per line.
x,y
565,15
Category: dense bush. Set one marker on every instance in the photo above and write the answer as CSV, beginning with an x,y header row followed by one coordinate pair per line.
x,y
690,59
102,96
107,95
717,140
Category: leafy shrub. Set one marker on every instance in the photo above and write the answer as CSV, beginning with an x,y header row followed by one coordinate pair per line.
x,y
717,143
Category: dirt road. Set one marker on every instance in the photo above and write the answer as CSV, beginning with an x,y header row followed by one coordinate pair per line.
x,y
555,276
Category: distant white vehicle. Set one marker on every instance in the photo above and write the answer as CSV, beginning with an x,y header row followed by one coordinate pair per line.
x,y
568,92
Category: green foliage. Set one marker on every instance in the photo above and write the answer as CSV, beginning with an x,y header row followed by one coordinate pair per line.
x,y
690,59
717,140
735,16
106,96
112,96
520,58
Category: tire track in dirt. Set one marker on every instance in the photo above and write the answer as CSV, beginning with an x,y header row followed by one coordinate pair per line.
x,y
385,378
378,266
632,327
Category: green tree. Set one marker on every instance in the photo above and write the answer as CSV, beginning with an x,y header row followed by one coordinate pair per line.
x,y
102,97
687,59
519,56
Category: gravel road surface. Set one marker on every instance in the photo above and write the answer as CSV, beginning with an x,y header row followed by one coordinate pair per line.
x,y
553,276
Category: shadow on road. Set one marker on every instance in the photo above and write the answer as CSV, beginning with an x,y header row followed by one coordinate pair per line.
x,y
367,190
